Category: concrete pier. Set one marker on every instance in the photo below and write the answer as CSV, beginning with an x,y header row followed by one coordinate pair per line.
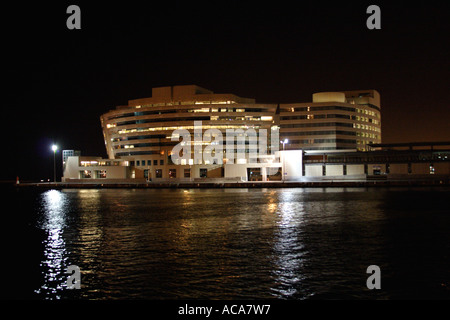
x,y
217,183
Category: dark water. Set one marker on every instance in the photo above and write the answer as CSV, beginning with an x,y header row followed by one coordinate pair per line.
x,y
227,244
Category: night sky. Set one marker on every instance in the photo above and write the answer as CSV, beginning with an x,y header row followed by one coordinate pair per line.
x,y
59,81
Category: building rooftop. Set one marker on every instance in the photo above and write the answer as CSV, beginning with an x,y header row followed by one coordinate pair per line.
x,y
191,94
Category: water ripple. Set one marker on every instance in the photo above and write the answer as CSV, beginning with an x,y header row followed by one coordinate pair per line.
x,y
237,243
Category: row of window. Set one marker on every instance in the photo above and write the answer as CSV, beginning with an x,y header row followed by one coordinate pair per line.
x,y
181,103
185,127
154,136
318,133
98,174
320,124
407,157
143,145
318,116
193,143
168,111
325,108
136,153
124,123
369,112
147,162
366,127
173,173
367,135
101,174
314,141
330,116
242,118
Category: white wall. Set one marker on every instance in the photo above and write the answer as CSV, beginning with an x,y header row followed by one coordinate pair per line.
x,y
236,171
334,170
355,169
291,161
72,170
313,171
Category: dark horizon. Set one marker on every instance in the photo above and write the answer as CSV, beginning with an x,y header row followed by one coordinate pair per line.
x,y
60,81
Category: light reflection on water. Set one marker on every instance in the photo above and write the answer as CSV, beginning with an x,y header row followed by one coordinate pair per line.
x,y
288,246
222,244
54,206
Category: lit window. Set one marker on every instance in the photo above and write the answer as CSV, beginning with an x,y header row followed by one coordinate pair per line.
x,y
100,174
85,174
203,173
202,110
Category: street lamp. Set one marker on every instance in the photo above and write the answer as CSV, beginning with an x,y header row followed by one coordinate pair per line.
x,y
285,141
54,148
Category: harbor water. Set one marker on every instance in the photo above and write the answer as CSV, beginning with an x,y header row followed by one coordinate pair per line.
x,y
297,243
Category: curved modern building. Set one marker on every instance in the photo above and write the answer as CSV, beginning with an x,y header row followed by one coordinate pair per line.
x,y
141,131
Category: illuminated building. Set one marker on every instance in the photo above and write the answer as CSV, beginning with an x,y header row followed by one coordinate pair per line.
x,y
335,135
333,121
141,131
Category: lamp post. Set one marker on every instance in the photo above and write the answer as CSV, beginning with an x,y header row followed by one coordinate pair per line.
x,y
285,141
54,148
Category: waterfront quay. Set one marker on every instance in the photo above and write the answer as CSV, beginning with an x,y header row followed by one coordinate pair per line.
x,y
369,181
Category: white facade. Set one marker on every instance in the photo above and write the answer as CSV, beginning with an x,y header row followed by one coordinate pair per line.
x,y
84,168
